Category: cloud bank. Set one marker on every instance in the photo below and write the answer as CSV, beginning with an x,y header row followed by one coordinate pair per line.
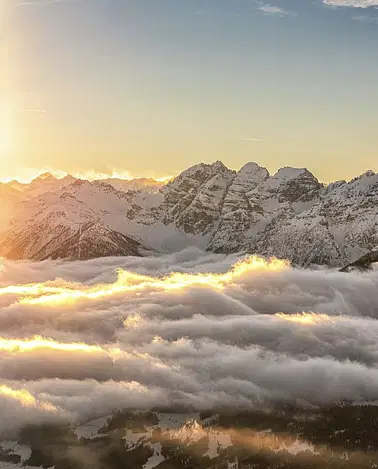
x,y
191,329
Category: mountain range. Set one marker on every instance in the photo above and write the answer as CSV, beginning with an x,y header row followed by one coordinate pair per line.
x,y
289,214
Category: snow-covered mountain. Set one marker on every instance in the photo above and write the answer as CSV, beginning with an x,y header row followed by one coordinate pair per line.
x,y
365,262
46,182
289,214
148,184
10,199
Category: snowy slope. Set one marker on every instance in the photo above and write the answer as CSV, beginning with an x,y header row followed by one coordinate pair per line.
x,y
10,198
44,183
146,184
52,224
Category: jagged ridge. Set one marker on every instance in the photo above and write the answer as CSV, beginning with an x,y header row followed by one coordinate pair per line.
x,y
289,214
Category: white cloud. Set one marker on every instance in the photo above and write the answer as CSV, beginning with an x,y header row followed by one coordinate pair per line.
x,y
36,111
251,139
273,10
42,3
39,2
351,3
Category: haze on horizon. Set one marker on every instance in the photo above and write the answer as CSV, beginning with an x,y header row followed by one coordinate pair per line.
x,y
151,88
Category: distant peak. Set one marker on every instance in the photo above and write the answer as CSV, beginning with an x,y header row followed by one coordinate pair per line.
x,y
219,165
45,176
287,173
368,173
81,182
252,168
68,177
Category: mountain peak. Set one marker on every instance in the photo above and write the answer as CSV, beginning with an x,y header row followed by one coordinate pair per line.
x,y
251,171
218,165
45,176
288,172
366,174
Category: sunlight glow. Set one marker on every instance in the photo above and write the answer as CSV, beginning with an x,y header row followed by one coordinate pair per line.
x,y
21,395
5,143
129,283
26,399
37,342
305,318
41,344
26,175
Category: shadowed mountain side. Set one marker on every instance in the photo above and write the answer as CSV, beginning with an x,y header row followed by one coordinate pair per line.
x,y
91,241
363,263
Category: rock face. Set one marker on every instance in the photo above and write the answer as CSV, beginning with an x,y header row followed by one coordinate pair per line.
x,y
242,208
288,215
194,199
339,227
363,263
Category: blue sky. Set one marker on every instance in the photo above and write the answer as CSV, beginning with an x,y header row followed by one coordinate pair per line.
x,y
153,86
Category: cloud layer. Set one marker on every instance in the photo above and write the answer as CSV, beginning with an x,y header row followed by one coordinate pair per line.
x,y
80,339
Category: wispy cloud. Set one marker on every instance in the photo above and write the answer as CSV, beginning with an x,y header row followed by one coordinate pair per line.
x,y
41,3
351,3
37,111
273,10
251,139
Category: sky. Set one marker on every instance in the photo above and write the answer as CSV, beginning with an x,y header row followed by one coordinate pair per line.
x,y
151,87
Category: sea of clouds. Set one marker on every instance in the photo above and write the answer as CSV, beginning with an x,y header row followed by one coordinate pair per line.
x,y
185,330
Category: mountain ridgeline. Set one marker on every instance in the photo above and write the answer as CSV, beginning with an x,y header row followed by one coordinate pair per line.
x,y
289,215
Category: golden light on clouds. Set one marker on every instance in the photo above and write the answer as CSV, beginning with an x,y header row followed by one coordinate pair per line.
x,y
133,283
112,174
306,318
21,395
26,399
39,343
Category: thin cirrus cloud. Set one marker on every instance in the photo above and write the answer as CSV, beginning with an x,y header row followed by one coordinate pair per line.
x,y
273,10
36,111
251,139
41,3
351,3
277,10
